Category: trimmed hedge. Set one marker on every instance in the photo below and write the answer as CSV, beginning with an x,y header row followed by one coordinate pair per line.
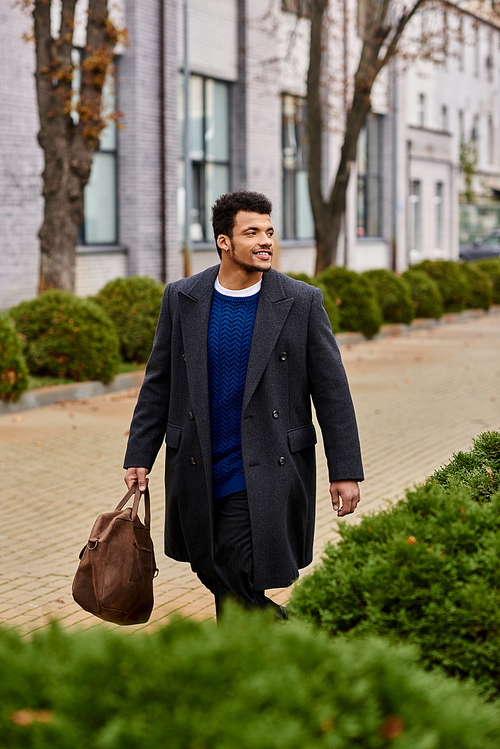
x,y
451,280
478,469
393,295
134,306
330,306
491,266
14,378
480,287
355,298
425,571
248,684
66,336
425,294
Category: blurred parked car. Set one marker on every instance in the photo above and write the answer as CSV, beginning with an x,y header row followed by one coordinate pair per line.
x,y
488,246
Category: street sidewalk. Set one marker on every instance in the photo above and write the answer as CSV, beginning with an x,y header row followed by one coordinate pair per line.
x,y
418,398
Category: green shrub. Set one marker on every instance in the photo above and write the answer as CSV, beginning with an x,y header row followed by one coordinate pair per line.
x,y
480,287
134,305
66,336
452,282
248,684
491,266
425,571
330,306
355,298
425,294
478,469
393,295
14,379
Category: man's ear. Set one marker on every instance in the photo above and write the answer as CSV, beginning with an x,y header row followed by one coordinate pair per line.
x,y
223,242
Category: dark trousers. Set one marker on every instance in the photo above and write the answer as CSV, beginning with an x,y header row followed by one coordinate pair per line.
x,y
233,558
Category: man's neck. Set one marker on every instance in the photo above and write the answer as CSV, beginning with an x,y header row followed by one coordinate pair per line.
x,y
238,278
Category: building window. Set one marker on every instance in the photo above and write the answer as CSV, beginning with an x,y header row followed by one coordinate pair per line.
x,y
100,196
209,148
475,129
461,45
476,50
490,60
369,161
438,220
415,218
491,140
444,118
461,126
298,220
421,107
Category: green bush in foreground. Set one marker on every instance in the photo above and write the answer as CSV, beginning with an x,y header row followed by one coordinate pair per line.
x,y
480,287
330,306
393,295
491,266
134,306
425,294
355,298
249,684
478,469
451,280
425,571
66,336
14,379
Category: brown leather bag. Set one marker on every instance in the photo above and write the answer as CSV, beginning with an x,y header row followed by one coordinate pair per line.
x,y
114,579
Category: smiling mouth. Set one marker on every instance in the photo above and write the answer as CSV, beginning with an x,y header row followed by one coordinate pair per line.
x,y
264,254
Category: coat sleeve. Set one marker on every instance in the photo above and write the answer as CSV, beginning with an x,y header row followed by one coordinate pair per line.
x,y
149,422
331,397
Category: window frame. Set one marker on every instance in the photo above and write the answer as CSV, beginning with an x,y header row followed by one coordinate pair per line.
x,y
285,171
202,163
82,239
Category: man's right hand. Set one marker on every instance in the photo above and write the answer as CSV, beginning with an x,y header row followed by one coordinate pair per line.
x,y
137,475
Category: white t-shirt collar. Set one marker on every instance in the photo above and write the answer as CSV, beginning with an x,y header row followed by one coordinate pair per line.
x,y
250,291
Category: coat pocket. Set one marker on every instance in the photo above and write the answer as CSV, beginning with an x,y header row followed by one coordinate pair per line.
x,y
301,437
173,436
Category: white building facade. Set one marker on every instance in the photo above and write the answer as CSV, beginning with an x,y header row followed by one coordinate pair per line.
x,y
247,66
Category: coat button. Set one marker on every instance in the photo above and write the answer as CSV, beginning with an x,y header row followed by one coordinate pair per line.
x,y
191,416
183,357
282,461
192,461
283,355
275,415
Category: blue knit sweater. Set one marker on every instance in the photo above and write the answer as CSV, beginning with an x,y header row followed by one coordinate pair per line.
x,y
229,337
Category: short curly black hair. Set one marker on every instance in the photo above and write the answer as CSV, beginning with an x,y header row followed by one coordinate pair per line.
x,y
227,206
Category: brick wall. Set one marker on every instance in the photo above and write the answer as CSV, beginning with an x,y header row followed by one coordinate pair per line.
x,y
21,161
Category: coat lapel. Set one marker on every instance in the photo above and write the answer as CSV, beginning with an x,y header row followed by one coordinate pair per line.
x,y
272,311
194,306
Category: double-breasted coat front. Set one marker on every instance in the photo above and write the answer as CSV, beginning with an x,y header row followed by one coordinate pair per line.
x,y
293,358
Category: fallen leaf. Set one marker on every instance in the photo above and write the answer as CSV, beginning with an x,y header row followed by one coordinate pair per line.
x,y
392,728
27,717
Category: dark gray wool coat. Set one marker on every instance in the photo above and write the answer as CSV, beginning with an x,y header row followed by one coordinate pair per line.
x,y
293,356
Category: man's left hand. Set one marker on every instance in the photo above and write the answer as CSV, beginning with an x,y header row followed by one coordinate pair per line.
x,y
345,497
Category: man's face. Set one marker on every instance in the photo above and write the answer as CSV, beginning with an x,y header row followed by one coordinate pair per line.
x,y
252,244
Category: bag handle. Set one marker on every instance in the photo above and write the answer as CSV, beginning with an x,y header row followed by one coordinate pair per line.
x,y
135,507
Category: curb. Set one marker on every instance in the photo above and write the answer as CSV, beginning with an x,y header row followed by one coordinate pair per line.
x,y
49,395
420,323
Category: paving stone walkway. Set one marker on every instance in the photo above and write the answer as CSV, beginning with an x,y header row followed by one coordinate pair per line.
x,y
418,398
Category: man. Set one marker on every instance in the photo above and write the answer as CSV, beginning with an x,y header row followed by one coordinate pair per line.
x,y
238,352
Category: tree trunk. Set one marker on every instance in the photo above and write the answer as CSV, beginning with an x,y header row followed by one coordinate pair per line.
x,y
376,32
64,180
335,208
68,146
